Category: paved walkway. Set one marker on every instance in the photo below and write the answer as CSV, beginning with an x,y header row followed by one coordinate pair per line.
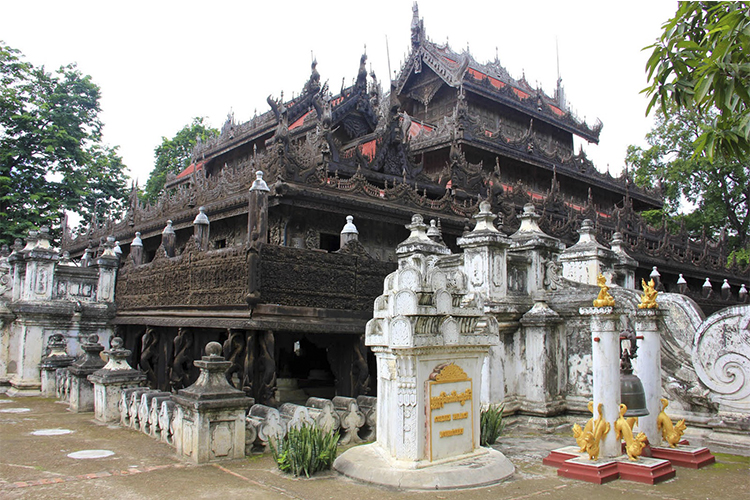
x,y
34,466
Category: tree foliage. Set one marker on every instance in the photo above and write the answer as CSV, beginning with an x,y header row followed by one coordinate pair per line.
x,y
699,194
702,62
51,155
174,155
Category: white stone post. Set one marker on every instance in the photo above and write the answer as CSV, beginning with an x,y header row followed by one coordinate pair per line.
x,y
647,366
56,358
81,390
110,381
211,413
605,360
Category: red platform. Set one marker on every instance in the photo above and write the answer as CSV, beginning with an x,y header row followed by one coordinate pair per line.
x,y
685,456
558,456
597,471
645,470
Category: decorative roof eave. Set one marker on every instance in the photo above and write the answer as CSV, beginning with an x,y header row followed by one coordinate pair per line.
x,y
513,101
596,180
459,72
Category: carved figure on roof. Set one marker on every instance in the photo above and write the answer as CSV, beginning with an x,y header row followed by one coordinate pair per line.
x,y
313,84
362,74
374,91
281,137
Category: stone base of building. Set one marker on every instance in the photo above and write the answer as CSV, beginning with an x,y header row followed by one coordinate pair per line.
x,y
370,464
22,388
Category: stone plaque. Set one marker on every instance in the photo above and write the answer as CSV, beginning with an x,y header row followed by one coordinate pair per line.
x,y
450,412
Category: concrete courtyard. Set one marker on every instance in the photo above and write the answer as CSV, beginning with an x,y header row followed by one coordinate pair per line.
x,y
36,465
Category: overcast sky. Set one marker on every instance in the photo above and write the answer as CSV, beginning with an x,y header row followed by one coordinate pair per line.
x,y
160,63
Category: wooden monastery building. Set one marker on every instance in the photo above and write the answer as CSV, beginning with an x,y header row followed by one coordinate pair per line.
x,y
268,271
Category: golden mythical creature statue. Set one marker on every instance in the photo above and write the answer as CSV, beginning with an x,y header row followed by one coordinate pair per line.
x,y
623,430
671,433
579,433
648,299
594,438
604,299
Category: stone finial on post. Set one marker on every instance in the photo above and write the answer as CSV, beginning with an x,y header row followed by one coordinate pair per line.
x,y
111,380
656,276
81,389
743,295
136,249
707,289
726,290
349,233
57,357
211,413
201,229
168,238
682,285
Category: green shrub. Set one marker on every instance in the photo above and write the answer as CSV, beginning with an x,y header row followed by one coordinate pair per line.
x,y
491,424
306,450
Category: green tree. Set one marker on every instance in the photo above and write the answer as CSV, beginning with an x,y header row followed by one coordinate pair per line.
x,y
701,194
174,155
51,155
702,62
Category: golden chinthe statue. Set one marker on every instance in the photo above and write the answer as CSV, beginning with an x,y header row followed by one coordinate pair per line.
x,y
648,299
604,299
671,433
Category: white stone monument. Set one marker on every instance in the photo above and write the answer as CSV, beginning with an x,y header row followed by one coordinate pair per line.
x,y
431,339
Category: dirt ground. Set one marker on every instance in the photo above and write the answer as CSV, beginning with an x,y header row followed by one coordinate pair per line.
x,y
36,466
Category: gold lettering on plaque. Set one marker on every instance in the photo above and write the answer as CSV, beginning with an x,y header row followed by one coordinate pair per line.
x,y
442,418
452,432
461,416
438,402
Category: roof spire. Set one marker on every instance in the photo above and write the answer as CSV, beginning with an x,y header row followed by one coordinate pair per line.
x,y
417,28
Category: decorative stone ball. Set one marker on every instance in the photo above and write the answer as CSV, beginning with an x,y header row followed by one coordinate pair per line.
x,y
213,349
93,339
116,343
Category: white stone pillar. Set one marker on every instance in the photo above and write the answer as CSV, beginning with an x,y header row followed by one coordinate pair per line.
x,y
107,265
605,357
544,352
647,366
